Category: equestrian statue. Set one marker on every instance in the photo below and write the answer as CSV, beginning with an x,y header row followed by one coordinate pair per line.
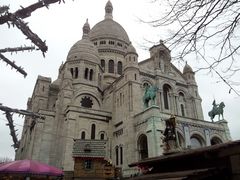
x,y
216,110
149,95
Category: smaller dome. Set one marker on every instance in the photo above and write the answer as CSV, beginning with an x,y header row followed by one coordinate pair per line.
x,y
187,69
131,49
84,48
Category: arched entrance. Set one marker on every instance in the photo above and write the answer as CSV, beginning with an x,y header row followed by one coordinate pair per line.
x,y
216,140
143,146
196,141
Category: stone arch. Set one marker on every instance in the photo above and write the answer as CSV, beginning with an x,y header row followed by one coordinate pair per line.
x,y
197,140
216,140
142,144
80,133
104,133
146,81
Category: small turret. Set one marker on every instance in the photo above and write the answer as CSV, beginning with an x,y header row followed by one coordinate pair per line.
x,y
86,30
67,79
189,75
131,57
131,69
108,10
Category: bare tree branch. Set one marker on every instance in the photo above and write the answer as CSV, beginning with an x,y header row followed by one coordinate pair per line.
x,y
16,20
13,65
26,12
22,48
9,112
201,25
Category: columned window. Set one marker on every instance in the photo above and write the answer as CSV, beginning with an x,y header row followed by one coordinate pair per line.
x,y
103,64
76,72
86,73
111,66
116,153
121,155
71,70
102,136
119,67
181,101
182,109
93,131
166,90
91,75
83,135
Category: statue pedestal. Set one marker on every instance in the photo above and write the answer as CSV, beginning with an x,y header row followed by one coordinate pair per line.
x,y
224,123
171,147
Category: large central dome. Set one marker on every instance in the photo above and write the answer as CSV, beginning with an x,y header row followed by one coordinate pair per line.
x,y
108,28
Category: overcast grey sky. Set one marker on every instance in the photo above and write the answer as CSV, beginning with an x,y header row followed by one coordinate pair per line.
x,y
61,27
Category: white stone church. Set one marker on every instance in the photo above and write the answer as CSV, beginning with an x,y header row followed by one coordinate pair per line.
x,y
98,95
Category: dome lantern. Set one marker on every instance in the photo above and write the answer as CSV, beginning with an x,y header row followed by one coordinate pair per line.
x,y
108,10
86,29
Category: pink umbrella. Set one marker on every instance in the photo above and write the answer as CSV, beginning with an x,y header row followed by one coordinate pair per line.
x,y
29,167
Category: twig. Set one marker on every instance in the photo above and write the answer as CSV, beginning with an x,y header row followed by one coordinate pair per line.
x,y
13,65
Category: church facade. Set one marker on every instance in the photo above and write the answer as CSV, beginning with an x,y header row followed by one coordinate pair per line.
x,y
99,94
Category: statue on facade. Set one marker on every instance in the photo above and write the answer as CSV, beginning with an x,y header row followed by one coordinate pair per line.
x,y
149,95
216,110
170,140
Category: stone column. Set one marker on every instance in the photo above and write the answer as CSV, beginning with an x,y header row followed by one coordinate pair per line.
x,y
154,128
207,137
68,163
187,136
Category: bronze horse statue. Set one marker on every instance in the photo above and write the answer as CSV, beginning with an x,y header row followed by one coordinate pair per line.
x,y
217,110
149,95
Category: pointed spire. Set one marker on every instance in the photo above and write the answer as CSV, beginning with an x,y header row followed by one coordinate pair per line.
x,y
86,29
187,68
108,10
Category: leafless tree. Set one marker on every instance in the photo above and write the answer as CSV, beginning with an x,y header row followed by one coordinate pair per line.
x,y
202,26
